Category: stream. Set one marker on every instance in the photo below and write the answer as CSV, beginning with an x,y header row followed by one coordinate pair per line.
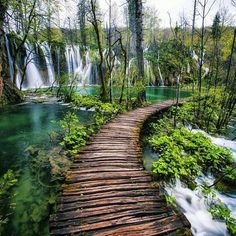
x,y
192,202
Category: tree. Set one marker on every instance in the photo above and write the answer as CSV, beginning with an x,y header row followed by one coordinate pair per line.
x,y
216,36
28,8
136,26
94,20
205,8
193,23
82,22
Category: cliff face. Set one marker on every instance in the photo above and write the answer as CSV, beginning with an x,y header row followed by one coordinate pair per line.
x,y
9,94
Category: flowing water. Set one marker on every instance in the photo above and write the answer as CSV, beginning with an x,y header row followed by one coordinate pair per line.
x,y
82,71
192,202
32,71
50,67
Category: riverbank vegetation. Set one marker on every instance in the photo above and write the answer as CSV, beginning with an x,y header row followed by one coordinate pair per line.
x,y
188,155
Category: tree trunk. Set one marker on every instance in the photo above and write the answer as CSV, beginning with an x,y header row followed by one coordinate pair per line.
x,y
95,24
193,26
136,26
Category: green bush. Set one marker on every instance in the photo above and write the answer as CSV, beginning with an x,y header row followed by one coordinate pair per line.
x,y
76,135
184,154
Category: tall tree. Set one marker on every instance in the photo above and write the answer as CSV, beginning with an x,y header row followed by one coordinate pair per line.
x,y
82,22
94,20
205,8
136,26
193,23
28,8
216,36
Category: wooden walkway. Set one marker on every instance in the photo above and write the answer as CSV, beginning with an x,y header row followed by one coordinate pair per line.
x,y
107,190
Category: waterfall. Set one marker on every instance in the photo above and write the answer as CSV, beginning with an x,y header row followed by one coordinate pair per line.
x,y
71,59
149,73
83,71
33,77
161,78
162,84
88,70
48,58
10,60
75,66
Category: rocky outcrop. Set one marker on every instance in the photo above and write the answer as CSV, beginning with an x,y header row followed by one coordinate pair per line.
x,y
9,94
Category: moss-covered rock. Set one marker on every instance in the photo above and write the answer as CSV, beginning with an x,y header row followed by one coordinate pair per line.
x,y
10,94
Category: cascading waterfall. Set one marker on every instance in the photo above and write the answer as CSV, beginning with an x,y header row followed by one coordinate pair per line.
x,y
149,73
162,84
80,71
10,60
48,58
70,59
87,69
161,78
83,71
33,76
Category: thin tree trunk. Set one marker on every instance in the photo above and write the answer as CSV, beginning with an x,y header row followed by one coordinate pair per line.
x,y
193,23
98,37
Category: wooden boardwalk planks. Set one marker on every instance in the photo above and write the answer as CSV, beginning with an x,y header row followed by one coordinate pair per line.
x,y
107,190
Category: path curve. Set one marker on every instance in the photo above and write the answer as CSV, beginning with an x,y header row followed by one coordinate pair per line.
x,y
107,190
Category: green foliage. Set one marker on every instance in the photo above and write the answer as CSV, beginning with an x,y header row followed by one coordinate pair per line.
x,y
76,135
216,27
7,182
204,112
174,58
171,200
103,111
184,154
222,212
56,36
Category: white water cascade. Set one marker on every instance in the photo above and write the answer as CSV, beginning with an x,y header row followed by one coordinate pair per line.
x,y
81,72
10,60
194,207
149,73
33,76
49,63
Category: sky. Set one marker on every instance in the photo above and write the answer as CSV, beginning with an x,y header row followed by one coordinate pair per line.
x,y
176,8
